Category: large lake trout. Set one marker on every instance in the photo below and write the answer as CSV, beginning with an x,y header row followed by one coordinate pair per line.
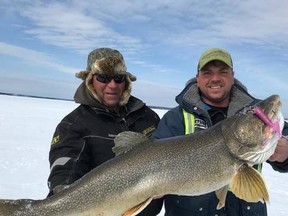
x,y
217,159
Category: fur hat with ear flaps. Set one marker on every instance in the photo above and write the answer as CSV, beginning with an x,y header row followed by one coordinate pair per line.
x,y
106,61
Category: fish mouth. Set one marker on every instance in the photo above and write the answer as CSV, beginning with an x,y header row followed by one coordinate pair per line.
x,y
252,138
270,135
268,146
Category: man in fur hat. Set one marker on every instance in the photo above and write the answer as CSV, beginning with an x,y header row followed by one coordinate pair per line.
x,y
84,138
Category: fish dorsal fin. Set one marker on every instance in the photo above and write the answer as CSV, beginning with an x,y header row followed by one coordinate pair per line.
x,y
137,209
126,140
221,195
248,184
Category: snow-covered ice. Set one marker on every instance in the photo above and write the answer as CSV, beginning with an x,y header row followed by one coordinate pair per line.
x,y
26,129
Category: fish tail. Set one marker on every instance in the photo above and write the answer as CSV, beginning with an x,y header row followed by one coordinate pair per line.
x,y
249,185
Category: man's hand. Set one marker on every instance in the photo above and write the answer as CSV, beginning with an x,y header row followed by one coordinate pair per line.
x,y
281,151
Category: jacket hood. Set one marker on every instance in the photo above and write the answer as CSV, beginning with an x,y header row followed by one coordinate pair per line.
x,y
87,87
190,100
85,97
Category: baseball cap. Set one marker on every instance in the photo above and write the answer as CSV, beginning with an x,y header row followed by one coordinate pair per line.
x,y
215,54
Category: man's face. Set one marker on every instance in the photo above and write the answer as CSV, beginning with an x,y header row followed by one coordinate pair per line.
x,y
109,93
215,81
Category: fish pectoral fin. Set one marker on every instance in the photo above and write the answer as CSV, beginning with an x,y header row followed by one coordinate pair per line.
x,y
126,140
137,209
221,195
248,184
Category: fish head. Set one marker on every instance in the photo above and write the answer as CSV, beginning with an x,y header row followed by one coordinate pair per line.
x,y
253,138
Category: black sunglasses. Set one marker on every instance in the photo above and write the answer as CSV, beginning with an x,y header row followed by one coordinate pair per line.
x,y
104,78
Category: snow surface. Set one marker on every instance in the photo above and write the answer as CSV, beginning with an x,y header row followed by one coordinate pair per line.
x,y
26,129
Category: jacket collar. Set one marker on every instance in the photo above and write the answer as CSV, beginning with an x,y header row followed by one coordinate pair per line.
x,y
190,100
84,96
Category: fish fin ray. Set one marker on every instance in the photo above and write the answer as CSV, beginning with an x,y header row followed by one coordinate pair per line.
x,y
221,195
126,140
249,185
137,209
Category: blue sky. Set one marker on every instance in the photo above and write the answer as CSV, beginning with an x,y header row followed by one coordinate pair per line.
x,y
44,43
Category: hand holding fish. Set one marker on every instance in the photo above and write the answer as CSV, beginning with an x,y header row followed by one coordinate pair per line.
x,y
281,151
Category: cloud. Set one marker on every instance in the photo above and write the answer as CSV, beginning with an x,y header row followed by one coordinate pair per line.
x,y
34,57
82,24
137,27
160,40
66,25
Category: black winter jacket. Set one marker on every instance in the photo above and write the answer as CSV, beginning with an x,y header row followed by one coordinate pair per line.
x,y
172,124
84,138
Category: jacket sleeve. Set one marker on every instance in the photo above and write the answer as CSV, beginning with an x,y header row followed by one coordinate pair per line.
x,y
171,124
66,147
281,167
